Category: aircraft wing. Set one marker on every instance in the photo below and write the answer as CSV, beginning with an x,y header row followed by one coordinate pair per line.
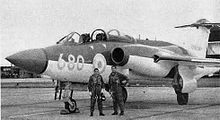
x,y
186,60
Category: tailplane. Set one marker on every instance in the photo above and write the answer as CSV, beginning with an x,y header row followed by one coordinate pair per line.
x,y
197,36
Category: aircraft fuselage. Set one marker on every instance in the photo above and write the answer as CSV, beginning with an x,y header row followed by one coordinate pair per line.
x,y
75,62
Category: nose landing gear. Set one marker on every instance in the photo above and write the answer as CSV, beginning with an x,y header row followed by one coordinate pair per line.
x,y
69,103
70,107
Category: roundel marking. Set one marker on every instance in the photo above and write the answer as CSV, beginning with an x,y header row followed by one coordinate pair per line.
x,y
99,62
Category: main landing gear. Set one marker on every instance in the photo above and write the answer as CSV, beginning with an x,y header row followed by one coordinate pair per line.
x,y
182,98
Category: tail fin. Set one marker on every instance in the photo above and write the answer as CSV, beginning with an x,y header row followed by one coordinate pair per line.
x,y
198,36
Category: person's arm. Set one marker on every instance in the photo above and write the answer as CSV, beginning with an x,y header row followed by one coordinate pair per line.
x,y
123,79
90,84
110,83
103,84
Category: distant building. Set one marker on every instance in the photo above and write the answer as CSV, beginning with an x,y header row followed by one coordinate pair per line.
x,y
15,72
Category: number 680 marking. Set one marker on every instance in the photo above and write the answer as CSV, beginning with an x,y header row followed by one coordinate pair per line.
x,y
72,62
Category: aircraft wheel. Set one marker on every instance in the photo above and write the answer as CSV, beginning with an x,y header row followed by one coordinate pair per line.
x,y
73,108
182,98
125,94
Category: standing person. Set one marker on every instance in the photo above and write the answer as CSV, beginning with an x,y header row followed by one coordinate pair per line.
x,y
116,83
95,87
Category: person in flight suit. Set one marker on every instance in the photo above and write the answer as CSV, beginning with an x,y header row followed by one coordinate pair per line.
x,y
96,86
116,83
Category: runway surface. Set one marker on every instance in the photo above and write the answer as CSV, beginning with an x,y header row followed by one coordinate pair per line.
x,y
143,103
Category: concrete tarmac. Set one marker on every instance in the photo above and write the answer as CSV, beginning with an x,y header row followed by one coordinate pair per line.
x,y
143,103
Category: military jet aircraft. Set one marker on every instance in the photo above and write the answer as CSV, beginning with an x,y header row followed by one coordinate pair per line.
x,y
75,56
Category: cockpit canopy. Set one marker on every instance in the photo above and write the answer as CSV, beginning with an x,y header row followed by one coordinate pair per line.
x,y
74,38
71,38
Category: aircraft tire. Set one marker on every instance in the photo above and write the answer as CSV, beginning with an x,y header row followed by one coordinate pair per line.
x,y
182,98
73,108
125,94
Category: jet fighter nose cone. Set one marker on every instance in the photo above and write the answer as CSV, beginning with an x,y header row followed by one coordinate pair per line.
x,y
33,60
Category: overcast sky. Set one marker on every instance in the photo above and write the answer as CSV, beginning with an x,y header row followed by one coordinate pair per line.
x,y
26,24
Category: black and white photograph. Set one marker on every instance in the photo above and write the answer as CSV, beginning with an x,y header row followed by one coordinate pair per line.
x,y
110,59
